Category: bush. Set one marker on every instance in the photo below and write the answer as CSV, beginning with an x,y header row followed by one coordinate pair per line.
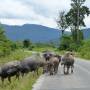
x,y
73,46
65,42
84,50
6,46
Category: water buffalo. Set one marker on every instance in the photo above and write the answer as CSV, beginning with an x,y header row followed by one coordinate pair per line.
x,y
28,65
68,62
53,64
58,56
31,64
47,55
9,69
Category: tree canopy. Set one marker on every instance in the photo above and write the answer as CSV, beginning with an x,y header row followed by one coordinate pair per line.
x,y
74,19
61,22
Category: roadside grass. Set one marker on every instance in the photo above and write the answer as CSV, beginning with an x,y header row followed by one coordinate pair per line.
x,y
16,55
60,52
41,49
52,49
85,56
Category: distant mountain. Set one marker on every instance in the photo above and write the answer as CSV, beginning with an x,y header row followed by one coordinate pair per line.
x,y
86,33
36,33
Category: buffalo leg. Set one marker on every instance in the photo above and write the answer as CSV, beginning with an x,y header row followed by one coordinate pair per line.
x,y
72,69
56,69
68,69
37,71
51,70
64,69
9,79
2,80
17,76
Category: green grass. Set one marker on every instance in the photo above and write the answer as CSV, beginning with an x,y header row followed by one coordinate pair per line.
x,y
16,55
85,56
40,49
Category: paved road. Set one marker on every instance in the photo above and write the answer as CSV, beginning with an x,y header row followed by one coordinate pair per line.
x,y
79,80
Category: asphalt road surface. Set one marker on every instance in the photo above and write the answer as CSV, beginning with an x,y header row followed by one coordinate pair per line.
x,y
79,80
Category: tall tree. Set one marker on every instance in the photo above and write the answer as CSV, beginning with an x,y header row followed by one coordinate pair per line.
x,y
75,17
2,34
61,22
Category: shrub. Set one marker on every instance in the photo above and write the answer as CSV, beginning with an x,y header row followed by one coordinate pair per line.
x,y
84,50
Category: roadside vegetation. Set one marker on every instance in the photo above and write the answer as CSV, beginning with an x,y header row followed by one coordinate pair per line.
x,y
74,20
84,50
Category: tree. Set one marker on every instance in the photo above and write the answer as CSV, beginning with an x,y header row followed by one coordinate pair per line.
x,y
2,34
75,17
66,40
5,44
26,43
61,22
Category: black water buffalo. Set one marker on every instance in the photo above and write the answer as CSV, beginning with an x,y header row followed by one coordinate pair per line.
x,y
31,64
68,62
9,69
28,65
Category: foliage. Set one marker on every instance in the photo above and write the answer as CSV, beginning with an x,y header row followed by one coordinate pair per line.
x,y
18,54
67,43
66,40
2,35
31,47
26,43
43,46
72,14
5,45
84,49
61,22
80,36
73,47
19,44
75,17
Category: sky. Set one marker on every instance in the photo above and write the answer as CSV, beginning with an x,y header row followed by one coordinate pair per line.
x,y
43,12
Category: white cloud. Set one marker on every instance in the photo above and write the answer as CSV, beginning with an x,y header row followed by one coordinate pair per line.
x,y
13,21
41,21
48,7
9,8
87,21
44,12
